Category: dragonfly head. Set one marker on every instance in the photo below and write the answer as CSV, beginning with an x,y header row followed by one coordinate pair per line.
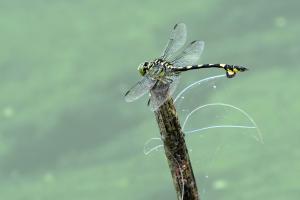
x,y
143,68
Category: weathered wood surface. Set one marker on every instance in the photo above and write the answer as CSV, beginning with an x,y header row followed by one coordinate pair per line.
x,y
176,151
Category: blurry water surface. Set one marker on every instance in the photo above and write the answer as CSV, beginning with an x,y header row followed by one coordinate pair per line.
x,y
67,134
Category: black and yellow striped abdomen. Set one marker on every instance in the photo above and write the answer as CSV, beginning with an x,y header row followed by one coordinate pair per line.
x,y
231,70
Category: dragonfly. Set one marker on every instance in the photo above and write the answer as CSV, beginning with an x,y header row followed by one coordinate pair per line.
x,y
161,76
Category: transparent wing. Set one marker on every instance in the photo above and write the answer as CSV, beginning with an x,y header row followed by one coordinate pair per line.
x,y
190,55
176,41
161,92
139,89
174,84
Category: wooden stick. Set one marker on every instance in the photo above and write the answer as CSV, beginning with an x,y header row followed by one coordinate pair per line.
x,y
176,151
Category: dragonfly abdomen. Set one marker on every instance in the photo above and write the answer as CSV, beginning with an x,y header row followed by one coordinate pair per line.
x,y
231,70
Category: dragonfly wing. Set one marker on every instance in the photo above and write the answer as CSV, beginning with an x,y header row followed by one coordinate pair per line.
x,y
176,41
139,89
173,85
161,92
190,55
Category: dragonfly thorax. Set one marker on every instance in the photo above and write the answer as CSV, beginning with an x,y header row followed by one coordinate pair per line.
x,y
162,63
155,69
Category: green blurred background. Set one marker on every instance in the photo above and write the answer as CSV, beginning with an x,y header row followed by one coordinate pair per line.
x,y
66,132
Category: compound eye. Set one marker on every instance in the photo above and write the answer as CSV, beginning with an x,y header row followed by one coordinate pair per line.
x,y
142,69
